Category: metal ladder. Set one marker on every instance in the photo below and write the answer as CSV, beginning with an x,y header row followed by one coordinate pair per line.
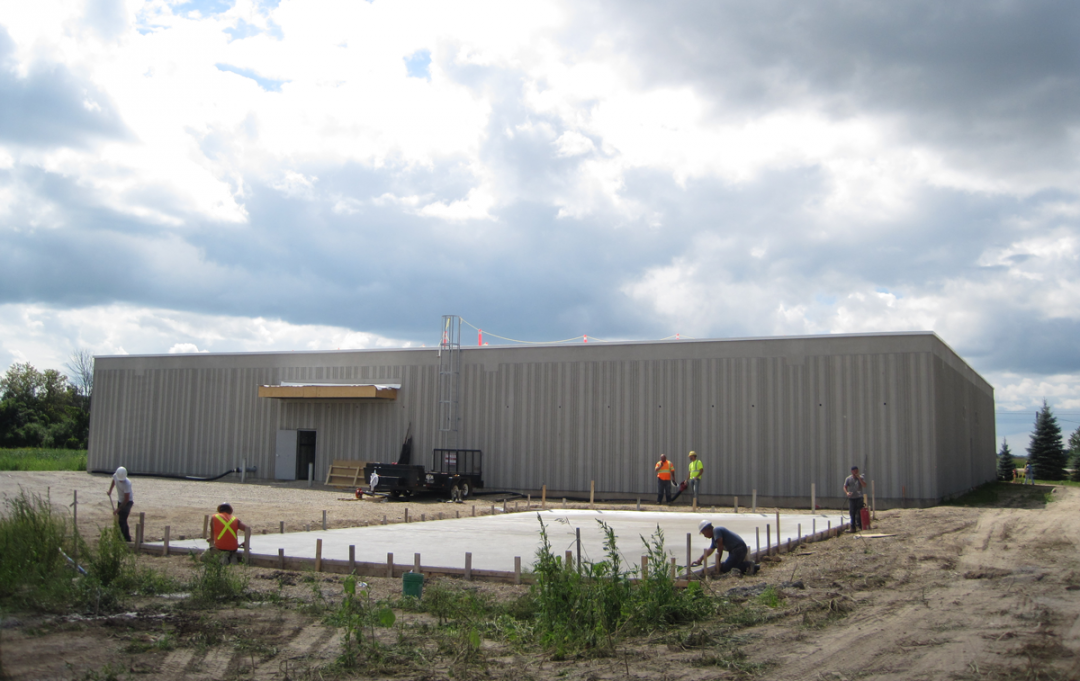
x,y
450,382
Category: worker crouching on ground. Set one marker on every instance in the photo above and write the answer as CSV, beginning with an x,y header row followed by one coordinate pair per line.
x,y
724,539
664,470
224,528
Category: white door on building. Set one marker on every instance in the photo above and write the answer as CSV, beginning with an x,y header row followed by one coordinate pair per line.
x,y
285,455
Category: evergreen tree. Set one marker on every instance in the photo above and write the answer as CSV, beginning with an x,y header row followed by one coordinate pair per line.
x,y
1074,455
1006,466
1047,453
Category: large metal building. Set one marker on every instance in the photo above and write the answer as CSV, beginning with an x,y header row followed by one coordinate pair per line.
x,y
768,414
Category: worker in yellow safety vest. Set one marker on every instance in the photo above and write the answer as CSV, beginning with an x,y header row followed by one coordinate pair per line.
x,y
664,470
223,533
696,469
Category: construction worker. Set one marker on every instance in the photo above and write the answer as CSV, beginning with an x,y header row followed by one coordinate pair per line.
x,y
125,500
724,539
223,533
696,469
854,488
664,470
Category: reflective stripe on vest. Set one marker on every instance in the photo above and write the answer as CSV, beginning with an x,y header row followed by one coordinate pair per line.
x,y
227,523
695,469
664,470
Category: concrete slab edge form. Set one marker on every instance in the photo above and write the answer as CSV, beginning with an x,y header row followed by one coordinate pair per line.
x,y
760,544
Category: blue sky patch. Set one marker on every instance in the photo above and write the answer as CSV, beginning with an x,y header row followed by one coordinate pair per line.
x,y
204,7
417,64
267,84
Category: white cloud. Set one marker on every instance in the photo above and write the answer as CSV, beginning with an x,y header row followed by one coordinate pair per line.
x,y
573,143
747,189
28,333
184,348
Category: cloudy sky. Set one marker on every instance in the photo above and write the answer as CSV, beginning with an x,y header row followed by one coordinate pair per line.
x,y
233,175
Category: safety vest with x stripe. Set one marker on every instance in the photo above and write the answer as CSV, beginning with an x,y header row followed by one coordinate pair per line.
x,y
224,531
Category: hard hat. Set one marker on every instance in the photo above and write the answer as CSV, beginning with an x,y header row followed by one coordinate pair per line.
x,y
121,473
702,525
692,454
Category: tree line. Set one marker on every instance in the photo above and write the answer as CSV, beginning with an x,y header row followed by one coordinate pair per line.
x,y
47,408
1049,457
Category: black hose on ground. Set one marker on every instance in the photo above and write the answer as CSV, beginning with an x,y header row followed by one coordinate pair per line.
x,y
174,477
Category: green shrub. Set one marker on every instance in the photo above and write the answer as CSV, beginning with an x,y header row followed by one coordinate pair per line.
x,y
594,605
215,582
112,560
656,602
358,615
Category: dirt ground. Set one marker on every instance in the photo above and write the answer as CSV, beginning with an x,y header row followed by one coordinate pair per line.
x,y
947,593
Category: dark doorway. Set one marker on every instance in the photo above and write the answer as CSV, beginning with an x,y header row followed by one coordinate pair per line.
x,y
305,453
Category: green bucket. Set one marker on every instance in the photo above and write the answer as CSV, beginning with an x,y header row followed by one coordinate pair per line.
x,y
412,584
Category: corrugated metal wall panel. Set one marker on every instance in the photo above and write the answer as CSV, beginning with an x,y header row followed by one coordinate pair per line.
x,y
767,415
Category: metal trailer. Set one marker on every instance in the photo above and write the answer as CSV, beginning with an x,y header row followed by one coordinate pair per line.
x,y
454,473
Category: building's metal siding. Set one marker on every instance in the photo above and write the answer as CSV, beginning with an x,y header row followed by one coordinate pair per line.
x,y
769,415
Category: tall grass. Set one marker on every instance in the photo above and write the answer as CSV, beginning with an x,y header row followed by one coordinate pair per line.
x,y
37,547
33,571
215,582
592,606
42,459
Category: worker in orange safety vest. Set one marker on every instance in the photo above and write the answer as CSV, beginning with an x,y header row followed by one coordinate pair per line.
x,y
223,533
664,470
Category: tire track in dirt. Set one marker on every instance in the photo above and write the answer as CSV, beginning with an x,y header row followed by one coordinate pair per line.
x,y
970,593
308,646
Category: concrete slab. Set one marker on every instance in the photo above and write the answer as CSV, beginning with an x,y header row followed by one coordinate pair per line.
x,y
494,541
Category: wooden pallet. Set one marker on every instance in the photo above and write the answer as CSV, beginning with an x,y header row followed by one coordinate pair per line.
x,y
345,473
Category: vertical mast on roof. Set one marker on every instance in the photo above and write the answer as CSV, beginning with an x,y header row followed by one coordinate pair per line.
x,y
450,382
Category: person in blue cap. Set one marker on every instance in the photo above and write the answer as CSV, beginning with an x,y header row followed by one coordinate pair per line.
x,y
724,539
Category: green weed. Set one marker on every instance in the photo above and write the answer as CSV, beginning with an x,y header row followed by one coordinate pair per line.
x,y
215,582
358,615
33,541
589,608
770,597
112,560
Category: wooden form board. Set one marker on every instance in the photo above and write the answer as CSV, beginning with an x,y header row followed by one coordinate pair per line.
x,y
344,473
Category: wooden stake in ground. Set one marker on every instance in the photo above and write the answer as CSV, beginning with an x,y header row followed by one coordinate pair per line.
x,y
689,548
75,525
873,502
